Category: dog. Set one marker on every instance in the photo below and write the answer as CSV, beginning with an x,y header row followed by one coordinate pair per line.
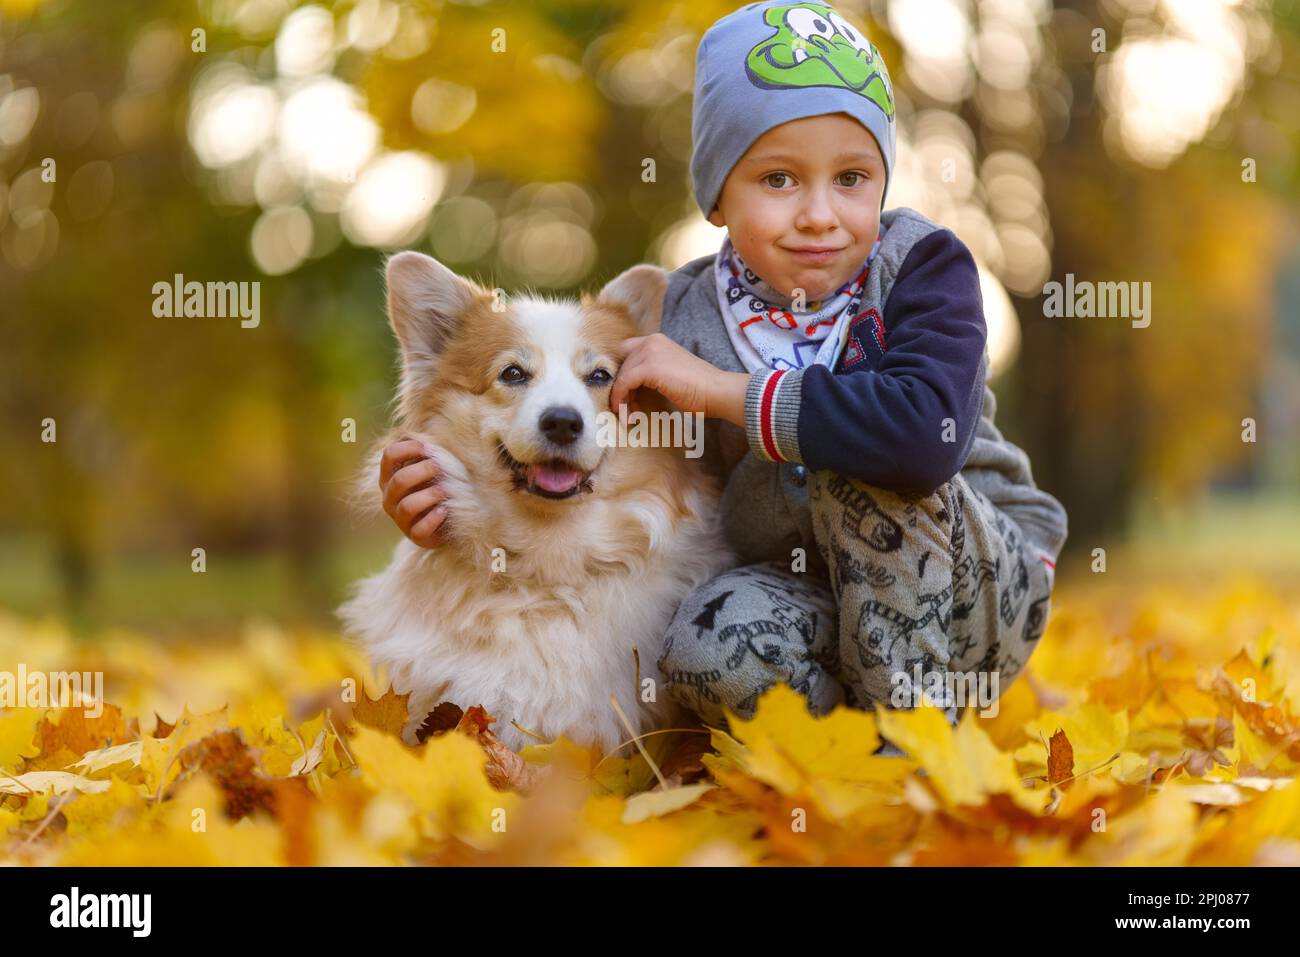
x,y
564,557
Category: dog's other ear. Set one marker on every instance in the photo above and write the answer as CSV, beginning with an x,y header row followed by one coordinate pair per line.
x,y
425,303
641,289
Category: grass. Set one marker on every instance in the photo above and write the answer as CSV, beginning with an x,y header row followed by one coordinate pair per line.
x,y
160,594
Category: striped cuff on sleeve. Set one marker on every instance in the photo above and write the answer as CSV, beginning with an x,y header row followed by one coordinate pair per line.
x,y
772,414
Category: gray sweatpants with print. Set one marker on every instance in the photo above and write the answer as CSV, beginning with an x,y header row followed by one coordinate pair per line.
x,y
903,587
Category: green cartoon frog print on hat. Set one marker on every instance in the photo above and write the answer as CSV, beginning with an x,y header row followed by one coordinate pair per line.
x,y
814,46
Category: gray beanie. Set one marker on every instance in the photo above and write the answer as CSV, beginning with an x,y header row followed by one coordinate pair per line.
x,y
768,63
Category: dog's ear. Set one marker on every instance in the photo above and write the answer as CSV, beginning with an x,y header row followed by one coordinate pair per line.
x,y
641,289
425,303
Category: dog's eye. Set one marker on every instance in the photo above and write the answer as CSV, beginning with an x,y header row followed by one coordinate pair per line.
x,y
512,375
600,377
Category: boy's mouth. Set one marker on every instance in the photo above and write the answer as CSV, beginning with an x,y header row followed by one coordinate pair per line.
x,y
554,478
814,254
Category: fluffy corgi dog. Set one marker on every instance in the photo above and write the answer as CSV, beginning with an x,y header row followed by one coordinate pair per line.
x,y
563,554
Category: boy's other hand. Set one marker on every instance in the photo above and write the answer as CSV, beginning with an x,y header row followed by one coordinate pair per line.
x,y
691,384
413,499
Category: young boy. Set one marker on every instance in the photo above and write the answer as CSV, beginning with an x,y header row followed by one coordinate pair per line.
x,y
889,535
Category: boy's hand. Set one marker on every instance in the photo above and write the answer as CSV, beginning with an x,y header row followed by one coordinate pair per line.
x,y
657,363
412,498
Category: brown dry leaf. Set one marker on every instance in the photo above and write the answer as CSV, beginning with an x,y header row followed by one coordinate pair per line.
x,y
1263,717
1209,742
684,763
227,758
441,719
506,770
387,713
1060,759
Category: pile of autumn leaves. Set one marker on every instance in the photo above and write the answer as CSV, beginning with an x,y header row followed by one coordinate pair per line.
x,y
1151,729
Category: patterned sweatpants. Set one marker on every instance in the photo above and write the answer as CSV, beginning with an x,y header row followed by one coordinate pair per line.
x,y
909,596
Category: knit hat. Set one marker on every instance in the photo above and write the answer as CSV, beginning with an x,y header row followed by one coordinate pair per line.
x,y
768,63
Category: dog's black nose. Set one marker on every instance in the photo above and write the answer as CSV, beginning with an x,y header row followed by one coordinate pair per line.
x,y
561,424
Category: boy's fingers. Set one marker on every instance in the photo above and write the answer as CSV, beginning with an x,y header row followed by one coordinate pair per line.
x,y
397,455
629,378
415,474
416,504
427,531
407,480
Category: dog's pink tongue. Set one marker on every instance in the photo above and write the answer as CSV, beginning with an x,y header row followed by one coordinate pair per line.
x,y
555,479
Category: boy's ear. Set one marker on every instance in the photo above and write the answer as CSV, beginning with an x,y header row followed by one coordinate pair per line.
x,y
425,303
641,290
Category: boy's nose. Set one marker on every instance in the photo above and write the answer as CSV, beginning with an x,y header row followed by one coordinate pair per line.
x,y
816,211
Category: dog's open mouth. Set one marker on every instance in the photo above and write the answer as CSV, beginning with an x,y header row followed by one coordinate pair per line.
x,y
554,478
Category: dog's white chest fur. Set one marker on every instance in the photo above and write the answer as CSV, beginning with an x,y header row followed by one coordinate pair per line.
x,y
543,644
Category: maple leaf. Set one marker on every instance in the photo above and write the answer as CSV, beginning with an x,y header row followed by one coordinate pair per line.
x,y
445,781
75,731
158,756
830,758
387,713
963,765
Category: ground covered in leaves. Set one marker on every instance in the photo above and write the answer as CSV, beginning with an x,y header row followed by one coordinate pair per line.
x,y
1153,727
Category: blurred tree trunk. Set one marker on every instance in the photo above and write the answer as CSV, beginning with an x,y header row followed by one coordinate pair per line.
x,y
1081,420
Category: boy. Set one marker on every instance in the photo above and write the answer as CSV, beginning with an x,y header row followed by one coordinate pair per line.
x,y
888,534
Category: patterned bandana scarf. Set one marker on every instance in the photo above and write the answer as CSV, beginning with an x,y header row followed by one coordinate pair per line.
x,y
762,330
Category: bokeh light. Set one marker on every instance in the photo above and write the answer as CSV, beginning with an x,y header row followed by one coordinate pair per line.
x,y
392,200
281,239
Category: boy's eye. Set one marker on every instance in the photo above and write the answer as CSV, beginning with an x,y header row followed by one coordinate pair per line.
x,y
512,375
768,179
857,178
600,377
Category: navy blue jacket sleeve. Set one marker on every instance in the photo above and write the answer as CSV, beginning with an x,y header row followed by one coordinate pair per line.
x,y
889,426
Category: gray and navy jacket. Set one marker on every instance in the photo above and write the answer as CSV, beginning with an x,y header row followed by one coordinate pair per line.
x,y
905,381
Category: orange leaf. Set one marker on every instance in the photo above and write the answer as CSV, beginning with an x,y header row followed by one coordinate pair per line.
x,y
79,734
388,713
1060,758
